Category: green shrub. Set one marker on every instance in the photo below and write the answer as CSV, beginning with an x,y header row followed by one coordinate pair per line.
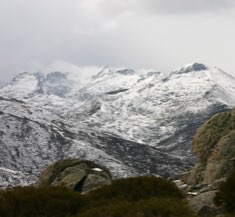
x,y
132,197
39,202
137,188
153,207
137,197
226,194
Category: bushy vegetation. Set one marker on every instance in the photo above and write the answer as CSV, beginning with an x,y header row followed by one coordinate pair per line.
x,y
153,207
39,202
226,194
132,197
137,197
137,188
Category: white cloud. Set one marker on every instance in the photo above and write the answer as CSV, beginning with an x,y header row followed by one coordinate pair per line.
x,y
81,72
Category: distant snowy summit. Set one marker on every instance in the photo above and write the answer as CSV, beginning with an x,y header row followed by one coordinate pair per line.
x,y
194,67
130,104
133,122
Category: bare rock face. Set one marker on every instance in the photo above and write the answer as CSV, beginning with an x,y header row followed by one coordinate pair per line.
x,y
203,204
222,159
214,145
78,175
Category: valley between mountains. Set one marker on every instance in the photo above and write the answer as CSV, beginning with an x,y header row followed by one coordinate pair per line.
x,y
133,123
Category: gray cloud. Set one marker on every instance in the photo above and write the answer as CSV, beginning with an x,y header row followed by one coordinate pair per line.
x,y
186,6
132,33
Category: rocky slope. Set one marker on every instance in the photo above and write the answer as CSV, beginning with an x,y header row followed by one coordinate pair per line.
x,y
132,123
214,145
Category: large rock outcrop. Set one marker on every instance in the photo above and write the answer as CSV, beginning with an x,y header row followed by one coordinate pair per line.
x,y
214,145
75,174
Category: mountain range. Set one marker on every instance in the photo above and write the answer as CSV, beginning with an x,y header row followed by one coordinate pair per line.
x,y
133,123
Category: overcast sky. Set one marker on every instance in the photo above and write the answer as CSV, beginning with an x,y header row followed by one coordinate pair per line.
x,y
37,35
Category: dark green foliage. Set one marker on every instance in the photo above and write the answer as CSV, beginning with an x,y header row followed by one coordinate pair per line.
x,y
153,207
39,202
137,188
226,194
137,197
132,197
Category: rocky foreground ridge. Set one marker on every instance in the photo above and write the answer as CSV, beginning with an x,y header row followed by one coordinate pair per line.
x,y
214,146
75,174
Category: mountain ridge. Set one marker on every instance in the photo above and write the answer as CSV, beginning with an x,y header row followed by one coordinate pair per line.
x,y
133,123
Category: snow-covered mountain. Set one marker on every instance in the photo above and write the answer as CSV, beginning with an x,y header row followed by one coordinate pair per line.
x,y
131,122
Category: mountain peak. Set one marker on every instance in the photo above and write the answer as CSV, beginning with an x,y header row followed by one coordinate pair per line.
x,y
56,76
105,71
110,71
194,67
25,75
126,71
